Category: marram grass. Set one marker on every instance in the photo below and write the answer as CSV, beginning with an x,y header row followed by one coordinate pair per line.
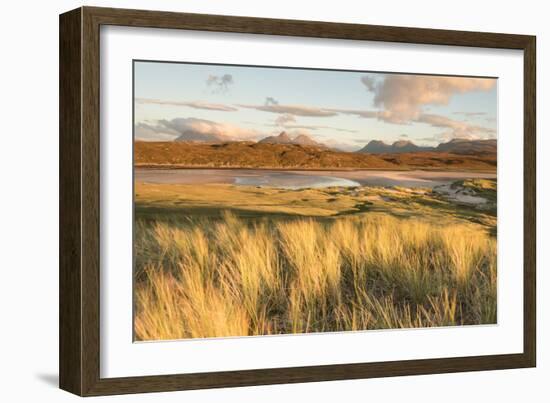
x,y
220,277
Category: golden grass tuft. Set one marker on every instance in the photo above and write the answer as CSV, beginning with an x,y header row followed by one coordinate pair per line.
x,y
219,277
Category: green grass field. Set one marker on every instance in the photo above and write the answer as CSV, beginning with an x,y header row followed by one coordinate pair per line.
x,y
225,260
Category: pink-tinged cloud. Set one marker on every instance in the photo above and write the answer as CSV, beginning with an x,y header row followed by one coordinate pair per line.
x,y
362,113
284,119
342,145
317,127
190,104
288,122
470,114
455,128
193,129
145,131
298,110
402,97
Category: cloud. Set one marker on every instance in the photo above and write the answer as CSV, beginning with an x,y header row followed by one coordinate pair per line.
x,y
357,112
298,132
430,141
369,82
153,132
456,129
192,104
287,121
193,129
298,110
470,113
220,83
402,97
341,144
271,101
315,127
284,119
368,114
404,136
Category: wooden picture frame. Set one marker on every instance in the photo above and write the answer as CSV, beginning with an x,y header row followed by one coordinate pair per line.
x,y
79,346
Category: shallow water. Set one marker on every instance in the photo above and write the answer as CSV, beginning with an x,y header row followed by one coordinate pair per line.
x,y
293,181
304,179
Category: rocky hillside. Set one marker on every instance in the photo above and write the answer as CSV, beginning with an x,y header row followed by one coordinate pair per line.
x,y
295,156
460,146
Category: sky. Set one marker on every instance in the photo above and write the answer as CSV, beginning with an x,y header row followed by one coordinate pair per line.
x,y
341,109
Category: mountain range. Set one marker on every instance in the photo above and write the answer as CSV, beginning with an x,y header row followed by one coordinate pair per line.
x,y
455,146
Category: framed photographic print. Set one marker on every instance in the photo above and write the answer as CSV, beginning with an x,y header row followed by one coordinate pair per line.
x,y
249,201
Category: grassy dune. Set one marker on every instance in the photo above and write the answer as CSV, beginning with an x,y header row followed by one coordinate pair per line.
x,y
369,259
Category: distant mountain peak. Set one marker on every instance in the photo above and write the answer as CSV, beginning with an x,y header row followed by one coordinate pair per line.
x,y
281,138
402,143
373,142
284,138
376,147
305,140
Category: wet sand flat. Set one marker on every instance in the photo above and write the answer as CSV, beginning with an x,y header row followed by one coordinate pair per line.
x,y
304,179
